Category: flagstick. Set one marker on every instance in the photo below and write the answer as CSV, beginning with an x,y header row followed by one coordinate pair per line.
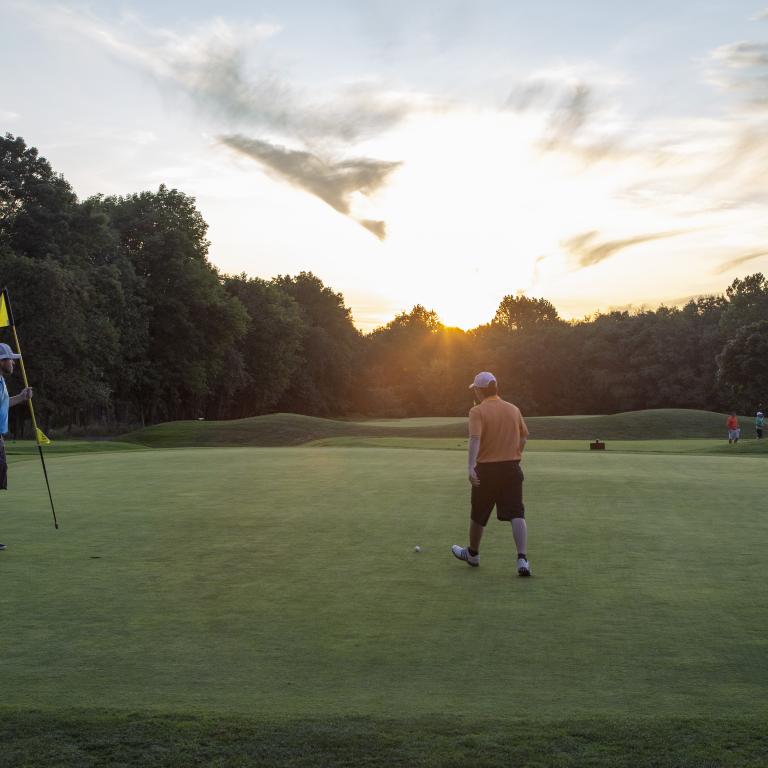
x,y
34,424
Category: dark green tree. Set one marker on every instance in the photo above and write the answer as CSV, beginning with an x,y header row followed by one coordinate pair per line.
x,y
36,204
326,381
73,293
743,366
747,303
193,324
417,366
271,348
517,313
67,345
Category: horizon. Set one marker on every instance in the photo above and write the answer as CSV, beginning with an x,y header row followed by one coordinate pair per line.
x,y
604,158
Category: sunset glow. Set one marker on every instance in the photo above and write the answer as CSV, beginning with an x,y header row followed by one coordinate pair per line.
x,y
417,163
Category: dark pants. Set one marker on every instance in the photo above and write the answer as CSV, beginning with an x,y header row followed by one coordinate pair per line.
x,y
501,485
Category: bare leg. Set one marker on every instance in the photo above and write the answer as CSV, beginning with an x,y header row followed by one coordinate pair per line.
x,y
520,532
475,534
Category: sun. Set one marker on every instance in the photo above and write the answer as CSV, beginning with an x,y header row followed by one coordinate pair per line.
x,y
470,213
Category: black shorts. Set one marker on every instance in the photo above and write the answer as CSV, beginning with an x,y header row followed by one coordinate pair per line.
x,y
3,467
501,485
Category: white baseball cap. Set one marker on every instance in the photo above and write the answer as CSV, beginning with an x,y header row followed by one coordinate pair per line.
x,y
6,353
482,380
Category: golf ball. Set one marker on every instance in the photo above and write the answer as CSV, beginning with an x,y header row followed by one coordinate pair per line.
x,y
417,548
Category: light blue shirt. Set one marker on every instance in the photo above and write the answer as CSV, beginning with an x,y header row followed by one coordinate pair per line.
x,y
5,402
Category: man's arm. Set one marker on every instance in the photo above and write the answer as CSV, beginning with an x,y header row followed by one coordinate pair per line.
x,y
523,433
475,430
474,449
22,397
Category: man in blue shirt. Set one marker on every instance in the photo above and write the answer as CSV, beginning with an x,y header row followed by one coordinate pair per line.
x,y
7,356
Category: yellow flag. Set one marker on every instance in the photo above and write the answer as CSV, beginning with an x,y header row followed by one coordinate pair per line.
x,y
41,438
5,320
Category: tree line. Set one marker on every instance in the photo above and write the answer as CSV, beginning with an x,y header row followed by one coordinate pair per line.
x,y
124,320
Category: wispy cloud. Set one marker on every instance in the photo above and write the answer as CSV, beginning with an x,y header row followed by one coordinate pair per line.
x,y
673,169
741,68
210,66
587,250
571,115
333,183
577,117
690,169
737,262
7,115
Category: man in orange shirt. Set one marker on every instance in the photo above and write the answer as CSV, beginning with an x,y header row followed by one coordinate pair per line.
x,y
732,424
497,436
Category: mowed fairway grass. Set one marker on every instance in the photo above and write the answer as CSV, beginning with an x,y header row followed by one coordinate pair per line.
x,y
246,606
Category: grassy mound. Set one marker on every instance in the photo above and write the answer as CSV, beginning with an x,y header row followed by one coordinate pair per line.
x,y
286,429
658,424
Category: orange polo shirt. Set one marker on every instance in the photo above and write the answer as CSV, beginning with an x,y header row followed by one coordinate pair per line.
x,y
501,429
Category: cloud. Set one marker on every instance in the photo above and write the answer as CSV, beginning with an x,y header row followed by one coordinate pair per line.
x,y
587,251
733,263
8,115
573,112
668,167
683,166
379,228
575,120
333,182
741,68
214,77
742,55
567,105
212,66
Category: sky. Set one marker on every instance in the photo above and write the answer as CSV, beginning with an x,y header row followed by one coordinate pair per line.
x,y
602,154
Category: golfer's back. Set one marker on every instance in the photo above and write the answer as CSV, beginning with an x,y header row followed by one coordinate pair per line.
x,y
501,429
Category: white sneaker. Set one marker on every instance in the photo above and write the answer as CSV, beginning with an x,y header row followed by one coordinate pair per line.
x,y
523,567
462,553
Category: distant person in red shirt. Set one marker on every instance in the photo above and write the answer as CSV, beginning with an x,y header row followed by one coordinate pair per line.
x,y
734,433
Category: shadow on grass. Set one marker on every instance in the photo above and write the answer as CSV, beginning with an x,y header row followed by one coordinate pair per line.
x,y
108,739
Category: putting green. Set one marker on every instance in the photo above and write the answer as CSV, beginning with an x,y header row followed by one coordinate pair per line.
x,y
283,582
